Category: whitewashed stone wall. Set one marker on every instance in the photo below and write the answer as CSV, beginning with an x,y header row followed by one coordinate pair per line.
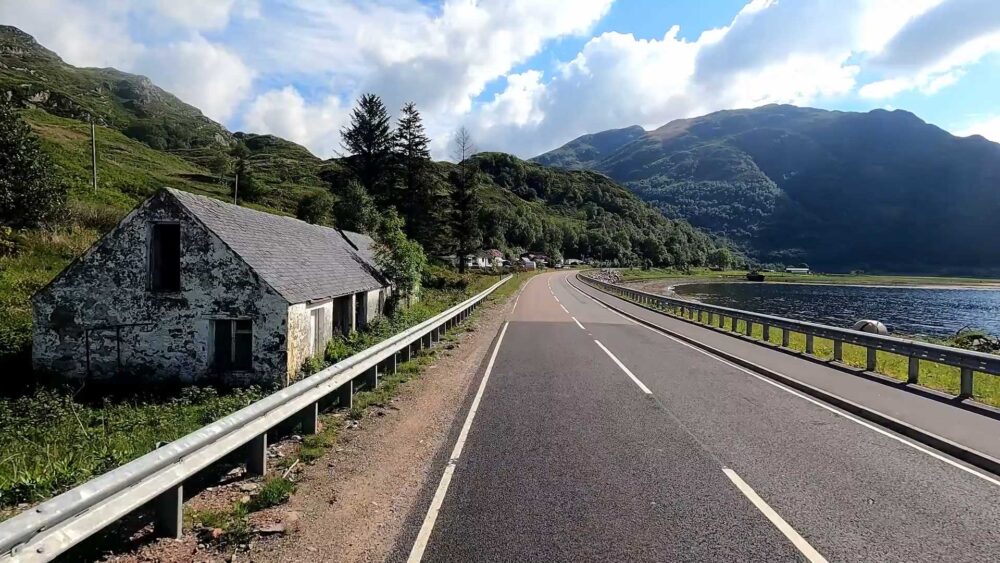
x,y
300,333
108,286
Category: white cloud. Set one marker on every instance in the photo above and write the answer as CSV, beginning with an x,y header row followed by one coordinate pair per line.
x,y
201,73
293,67
79,34
772,53
206,14
285,113
988,127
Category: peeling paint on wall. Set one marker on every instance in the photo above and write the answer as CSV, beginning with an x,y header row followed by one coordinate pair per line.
x,y
100,319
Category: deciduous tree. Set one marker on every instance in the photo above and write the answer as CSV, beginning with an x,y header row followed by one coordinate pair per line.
x,y
465,201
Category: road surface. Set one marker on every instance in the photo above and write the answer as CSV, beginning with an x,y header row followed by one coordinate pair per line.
x,y
594,438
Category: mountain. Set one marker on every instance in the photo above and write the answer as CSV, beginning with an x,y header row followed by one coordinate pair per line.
x,y
147,138
33,76
875,191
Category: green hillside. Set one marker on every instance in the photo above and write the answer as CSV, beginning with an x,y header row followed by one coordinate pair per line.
x,y
877,191
147,139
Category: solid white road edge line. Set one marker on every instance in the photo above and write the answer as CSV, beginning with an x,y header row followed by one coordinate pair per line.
x,y
797,540
577,323
816,402
417,553
625,369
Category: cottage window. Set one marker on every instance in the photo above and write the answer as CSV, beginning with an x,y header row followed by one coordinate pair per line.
x,y
165,257
233,349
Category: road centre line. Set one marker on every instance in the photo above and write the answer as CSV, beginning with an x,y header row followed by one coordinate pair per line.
x,y
577,323
816,402
625,369
797,540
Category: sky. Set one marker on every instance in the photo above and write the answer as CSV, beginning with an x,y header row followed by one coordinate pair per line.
x,y
525,76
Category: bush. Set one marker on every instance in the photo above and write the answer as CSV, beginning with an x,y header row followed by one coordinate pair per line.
x,y
337,349
316,208
439,277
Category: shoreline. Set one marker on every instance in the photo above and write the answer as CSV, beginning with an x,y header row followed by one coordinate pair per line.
x,y
986,286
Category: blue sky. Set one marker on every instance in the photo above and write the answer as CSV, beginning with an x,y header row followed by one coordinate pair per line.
x,y
528,75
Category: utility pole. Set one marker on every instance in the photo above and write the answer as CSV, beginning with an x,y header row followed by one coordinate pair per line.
x,y
236,188
93,151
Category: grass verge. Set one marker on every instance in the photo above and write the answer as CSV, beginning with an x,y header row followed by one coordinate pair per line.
x,y
986,388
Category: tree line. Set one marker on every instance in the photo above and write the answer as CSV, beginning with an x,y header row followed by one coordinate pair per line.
x,y
393,189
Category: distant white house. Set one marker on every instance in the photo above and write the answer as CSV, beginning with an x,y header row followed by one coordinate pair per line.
x,y
791,270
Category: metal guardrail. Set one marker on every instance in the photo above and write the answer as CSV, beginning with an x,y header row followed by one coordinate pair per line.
x,y
43,532
967,361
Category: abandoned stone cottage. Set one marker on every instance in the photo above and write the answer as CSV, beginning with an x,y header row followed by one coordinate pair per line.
x,y
187,288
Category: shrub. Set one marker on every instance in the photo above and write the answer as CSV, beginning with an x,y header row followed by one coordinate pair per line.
x,y
316,208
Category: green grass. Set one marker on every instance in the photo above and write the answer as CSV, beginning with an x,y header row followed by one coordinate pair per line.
x,y
50,441
275,491
986,388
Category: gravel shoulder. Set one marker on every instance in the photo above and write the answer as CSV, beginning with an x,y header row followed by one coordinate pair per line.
x,y
351,504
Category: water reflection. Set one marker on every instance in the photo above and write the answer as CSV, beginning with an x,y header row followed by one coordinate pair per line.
x,y
905,310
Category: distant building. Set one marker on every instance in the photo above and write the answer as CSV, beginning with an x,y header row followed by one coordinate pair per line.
x,y
797,270
189,289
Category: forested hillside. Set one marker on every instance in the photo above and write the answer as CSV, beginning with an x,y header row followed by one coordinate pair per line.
x,y
146,139
878,191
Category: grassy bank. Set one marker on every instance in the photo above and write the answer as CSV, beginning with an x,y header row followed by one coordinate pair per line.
x,y
51,440
704,274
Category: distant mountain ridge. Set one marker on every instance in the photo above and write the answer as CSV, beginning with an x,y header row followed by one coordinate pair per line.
x,y
879,191
148,138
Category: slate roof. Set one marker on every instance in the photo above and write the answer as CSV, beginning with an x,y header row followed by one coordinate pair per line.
x,y
301,261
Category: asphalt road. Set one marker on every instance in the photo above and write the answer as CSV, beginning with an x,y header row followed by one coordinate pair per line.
x,y
593,438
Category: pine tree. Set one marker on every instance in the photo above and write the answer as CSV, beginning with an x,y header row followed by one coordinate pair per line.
x,y
369,139
465,201
28,196
420,196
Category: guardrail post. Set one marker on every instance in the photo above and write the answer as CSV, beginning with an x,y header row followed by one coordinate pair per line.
x,y
872,356
722,321
838,351
766,330
425,341
784,337
749,327
711,318
701,316
404,354
310,419
965,390
390,365
913,370
345,395
257,456
169,509
809,344
371,377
